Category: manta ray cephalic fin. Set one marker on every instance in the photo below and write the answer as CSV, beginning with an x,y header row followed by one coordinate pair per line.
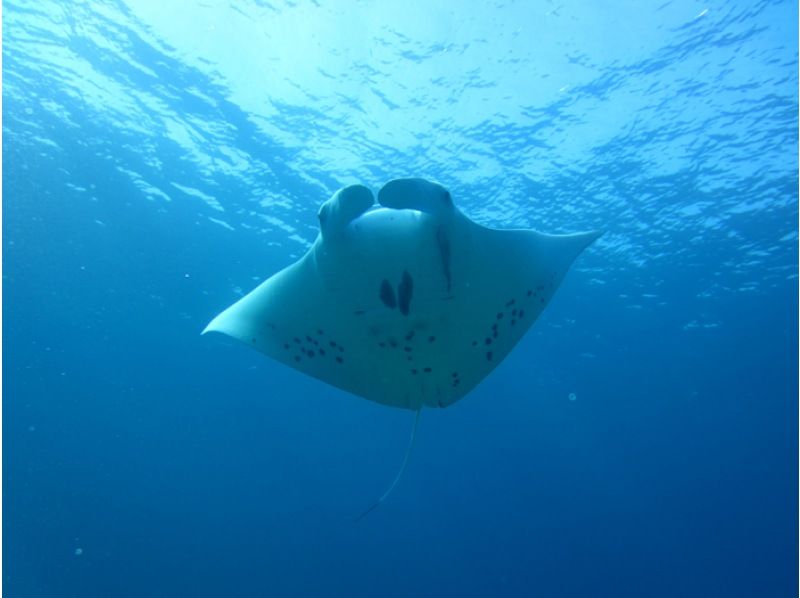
x,y
346,205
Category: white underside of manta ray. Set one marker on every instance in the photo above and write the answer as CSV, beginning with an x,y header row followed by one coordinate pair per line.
x,y
409,304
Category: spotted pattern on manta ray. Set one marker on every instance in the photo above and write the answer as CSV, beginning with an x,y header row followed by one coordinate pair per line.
x,y
513,312
456,379
312,346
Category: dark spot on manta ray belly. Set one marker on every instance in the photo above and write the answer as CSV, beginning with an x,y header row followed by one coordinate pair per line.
x,y
405,290
387,294
456,379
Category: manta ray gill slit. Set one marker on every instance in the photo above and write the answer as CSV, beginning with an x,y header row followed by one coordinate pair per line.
x,y
405,290
443,243
387,294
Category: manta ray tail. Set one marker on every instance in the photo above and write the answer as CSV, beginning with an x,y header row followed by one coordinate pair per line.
x,y
399,473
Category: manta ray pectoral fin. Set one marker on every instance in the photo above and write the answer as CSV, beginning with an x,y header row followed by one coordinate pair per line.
x,y
346,205
416,194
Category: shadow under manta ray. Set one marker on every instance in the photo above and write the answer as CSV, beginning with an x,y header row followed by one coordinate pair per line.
x,y
409,304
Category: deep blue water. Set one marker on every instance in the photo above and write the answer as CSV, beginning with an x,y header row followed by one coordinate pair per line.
x,y
162,158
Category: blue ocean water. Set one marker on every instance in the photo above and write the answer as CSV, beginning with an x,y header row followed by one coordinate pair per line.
x,y
160,159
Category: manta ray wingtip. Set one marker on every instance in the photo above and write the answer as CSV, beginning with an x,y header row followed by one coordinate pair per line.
x,y
216,325
592,235
582,240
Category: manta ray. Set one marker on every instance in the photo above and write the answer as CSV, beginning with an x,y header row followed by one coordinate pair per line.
x,y
408,303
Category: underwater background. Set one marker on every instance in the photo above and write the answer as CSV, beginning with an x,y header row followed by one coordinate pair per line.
x,y
162,158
